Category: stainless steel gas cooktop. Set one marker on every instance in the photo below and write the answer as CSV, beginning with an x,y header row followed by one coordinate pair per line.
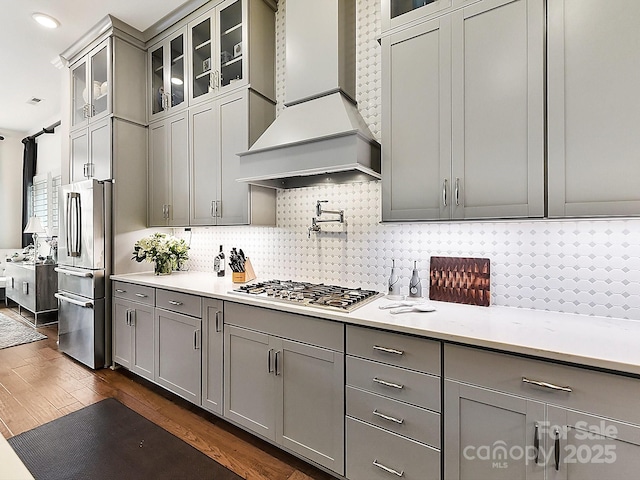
x,y
331,297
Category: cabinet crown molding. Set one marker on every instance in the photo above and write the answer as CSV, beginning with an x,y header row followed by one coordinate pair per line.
x,y
108,26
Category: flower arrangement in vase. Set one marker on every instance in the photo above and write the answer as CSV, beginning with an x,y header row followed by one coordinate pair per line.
x,y
167,252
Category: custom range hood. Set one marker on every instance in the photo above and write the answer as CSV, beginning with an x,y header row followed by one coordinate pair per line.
x,y
320,136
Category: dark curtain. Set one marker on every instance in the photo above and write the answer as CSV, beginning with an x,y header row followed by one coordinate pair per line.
x,y
28,172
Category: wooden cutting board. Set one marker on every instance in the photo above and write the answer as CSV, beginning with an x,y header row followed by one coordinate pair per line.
x,y
460,280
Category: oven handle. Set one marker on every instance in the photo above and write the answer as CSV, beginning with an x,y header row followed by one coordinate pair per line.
x,y
79,303
74,273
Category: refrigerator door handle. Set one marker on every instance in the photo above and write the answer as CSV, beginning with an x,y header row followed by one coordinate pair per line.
x,y
73,272
78,225
73,224
79,303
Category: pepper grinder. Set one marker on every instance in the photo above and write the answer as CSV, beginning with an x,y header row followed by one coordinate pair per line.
x,y
394,286
415,289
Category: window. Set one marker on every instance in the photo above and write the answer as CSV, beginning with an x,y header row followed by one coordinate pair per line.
x,y
44,201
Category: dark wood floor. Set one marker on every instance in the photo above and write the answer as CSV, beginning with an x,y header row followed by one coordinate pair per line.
x,y
39,384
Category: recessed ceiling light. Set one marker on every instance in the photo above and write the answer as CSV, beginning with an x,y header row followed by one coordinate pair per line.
x,y
46,20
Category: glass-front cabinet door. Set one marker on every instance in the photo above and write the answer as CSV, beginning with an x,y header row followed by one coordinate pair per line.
x,y
90,87
99,82
218,60
399,12
157,80
79,94
230,42
202,69
167,86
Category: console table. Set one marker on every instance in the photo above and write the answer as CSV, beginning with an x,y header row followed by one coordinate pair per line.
x,y
33,287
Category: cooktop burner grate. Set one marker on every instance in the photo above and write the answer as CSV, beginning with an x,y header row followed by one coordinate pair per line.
x,y
311,294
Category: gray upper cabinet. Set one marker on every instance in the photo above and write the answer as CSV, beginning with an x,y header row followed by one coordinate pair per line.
x,y
168,88
168,202
109,79
593,108
90,151
218,131
91,86
397,13
106,82
231,46
498,110
455,145
416,130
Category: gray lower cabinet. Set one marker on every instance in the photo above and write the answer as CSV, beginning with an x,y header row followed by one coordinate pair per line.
x,y
612,452
179,354
491,435
133,332
288,390
593,107
212,354
393,405
510,417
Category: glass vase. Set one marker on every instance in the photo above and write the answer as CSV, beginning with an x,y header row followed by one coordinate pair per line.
x,y
163,267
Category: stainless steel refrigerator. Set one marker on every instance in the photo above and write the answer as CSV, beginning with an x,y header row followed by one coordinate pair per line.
x,y
84,266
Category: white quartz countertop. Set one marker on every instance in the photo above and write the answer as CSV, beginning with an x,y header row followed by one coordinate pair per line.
x,y
580,339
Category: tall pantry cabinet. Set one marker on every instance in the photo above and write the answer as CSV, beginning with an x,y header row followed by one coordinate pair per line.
x,y
228,84
107,124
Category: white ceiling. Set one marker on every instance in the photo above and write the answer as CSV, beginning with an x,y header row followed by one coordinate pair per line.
x,y
27,51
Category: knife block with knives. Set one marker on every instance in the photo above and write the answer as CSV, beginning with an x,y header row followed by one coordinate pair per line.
x,y
246,276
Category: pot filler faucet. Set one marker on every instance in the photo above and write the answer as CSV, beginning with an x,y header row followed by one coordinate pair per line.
x,y
319,211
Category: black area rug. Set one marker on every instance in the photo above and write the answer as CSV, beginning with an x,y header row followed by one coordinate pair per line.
x,y
108,441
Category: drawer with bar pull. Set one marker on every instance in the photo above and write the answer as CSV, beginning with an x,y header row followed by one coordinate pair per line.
x,y
396,349
572,387
404,419
416,388
133,292
376,454
179,302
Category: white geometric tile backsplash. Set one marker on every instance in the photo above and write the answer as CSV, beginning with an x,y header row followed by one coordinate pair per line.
x,y
577,266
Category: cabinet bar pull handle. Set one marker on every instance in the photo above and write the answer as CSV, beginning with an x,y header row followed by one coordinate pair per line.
x,y
132,318
217,320
556,449
278,372
388,350
536,441
128,317
444,192
173,302
457,192
387,417
141,295
196,343
550,386
213,207
269,369
117,289
387,469
388,384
